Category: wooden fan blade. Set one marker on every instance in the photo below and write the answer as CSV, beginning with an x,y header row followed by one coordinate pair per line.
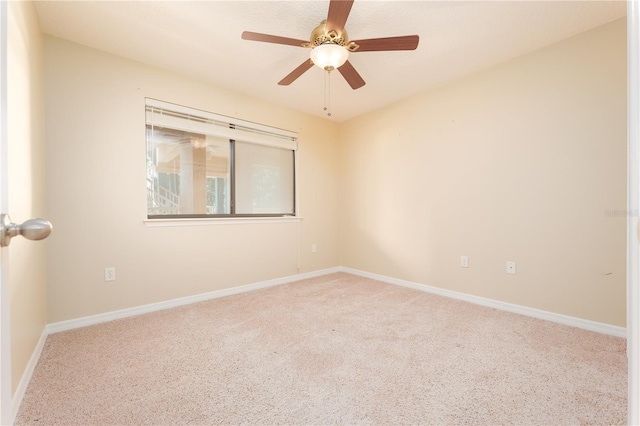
x,y
351,75
293,75
338,14
388,43
248,35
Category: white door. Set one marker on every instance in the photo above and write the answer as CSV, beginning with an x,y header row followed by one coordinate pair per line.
x,y
5,340
33,229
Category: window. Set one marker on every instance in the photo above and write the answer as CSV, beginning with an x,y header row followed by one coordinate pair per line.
x,y
201,164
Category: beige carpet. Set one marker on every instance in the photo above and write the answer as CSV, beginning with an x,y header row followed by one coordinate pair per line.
x,y
338,349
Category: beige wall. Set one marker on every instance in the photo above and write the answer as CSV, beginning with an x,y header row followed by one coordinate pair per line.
x,y
26,269
96,191
519,162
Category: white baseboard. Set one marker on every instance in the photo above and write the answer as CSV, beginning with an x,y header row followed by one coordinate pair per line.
x,y
509,307
138,310
26,376
611,330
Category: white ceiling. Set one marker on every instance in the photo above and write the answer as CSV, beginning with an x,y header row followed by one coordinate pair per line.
x,y
201,39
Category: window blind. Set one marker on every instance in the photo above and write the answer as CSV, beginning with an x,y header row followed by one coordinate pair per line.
x,y
164,114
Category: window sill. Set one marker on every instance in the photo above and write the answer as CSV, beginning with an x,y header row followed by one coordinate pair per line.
x,y
152,223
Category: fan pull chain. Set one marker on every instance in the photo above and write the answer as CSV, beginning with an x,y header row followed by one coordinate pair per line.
x,y
327,93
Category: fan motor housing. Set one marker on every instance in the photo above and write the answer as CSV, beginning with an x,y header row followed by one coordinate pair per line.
x,y
321,35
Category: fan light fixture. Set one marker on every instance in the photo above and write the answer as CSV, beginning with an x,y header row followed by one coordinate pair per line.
x,y
329,56
330,48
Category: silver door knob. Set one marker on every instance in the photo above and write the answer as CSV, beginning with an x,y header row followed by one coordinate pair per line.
x,y
32,229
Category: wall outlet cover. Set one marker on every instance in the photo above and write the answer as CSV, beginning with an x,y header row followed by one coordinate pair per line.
x,y
110,274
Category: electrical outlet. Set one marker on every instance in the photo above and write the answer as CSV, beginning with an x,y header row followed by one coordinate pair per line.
x,y
511,268
314,248
464,261
110,274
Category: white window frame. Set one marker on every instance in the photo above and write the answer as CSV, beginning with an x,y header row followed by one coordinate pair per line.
x,y
166,114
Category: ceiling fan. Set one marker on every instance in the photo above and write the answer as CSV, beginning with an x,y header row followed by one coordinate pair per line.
x,y
330,45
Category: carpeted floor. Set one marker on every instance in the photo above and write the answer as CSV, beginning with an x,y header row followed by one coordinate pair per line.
x,y
338,349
